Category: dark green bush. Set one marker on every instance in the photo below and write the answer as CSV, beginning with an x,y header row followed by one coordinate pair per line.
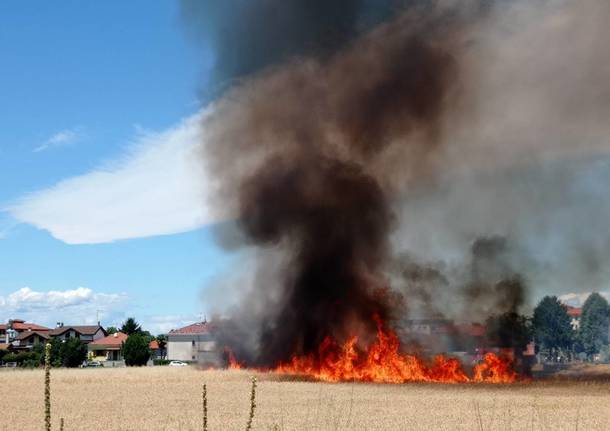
x,y
161,361
135,350
10,357
73,353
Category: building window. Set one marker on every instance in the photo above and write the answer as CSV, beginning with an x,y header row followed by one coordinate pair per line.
x,y
193,357
193,343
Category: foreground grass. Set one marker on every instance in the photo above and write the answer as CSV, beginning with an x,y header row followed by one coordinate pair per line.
x,y
164,398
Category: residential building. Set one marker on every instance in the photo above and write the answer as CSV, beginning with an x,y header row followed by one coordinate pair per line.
x,y
85,333
14,327
426,326
27,339
107,348
194,343
156,352
432,335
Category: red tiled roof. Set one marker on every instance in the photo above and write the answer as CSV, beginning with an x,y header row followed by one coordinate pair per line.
x,y
573,311
153,345
195,328
4,346
27,334
115,339
20,325
471,329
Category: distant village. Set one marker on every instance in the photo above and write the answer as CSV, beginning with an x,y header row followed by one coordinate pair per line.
x,y
198,343
104,346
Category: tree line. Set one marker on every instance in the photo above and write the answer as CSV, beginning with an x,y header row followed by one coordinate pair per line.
x,y
550,327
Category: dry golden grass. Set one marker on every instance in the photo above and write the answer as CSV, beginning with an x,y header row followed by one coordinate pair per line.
x,y
164,398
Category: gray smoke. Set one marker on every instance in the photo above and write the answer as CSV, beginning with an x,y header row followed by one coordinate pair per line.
x,y
456,152
247,36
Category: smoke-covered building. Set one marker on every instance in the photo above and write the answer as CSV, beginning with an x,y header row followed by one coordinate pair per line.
x,y
194,343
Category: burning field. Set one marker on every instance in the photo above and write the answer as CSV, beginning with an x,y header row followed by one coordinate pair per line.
x,y
383,362
356,152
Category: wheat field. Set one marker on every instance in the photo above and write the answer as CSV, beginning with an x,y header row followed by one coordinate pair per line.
x,y
163,398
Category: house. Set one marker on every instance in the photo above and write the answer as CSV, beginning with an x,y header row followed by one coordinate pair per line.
x,y
432,335
85,333
468,336
14,327
28,339
574,313
194,343
107,348
156,352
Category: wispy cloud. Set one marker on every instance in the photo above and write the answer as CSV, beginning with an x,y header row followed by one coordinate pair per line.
x,y
156,188
77,306
60,139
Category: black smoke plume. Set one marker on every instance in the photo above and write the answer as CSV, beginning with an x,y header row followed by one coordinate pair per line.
x,y
450,134
310,155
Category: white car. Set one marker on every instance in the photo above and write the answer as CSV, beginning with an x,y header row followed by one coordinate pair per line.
x,y
178,364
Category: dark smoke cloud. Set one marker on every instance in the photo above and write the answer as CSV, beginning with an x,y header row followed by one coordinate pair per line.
x,y
247,36
488,283
429,137
305,147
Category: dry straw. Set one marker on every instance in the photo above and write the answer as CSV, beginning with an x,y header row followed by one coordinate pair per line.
x,y
47,387
252,404
204,398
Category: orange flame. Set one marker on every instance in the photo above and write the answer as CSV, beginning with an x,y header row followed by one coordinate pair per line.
x,y
382,362
233,364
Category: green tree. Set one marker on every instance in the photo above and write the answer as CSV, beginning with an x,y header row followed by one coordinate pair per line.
x,y
73,353
111,330
162,340
551,325
39,350
56,353
508,330
593,333
136,350
130,326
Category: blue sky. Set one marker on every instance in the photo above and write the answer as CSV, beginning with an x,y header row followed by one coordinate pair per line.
x,y
87,88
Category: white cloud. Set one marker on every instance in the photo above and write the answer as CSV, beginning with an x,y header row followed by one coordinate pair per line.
x,y
59,139
157,188
77,306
